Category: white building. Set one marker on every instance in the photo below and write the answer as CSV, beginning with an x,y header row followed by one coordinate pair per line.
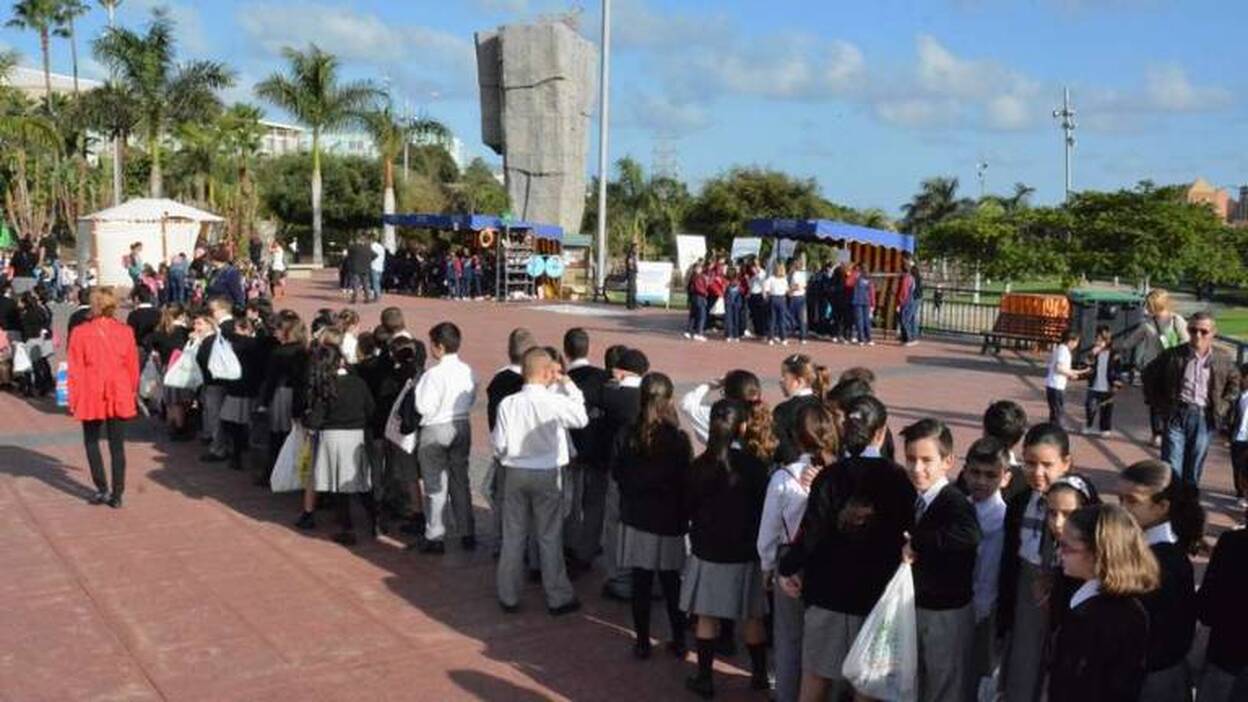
x,y
361,144
30,82
280,138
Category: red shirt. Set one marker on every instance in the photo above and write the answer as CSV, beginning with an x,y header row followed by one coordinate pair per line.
x,y
103,370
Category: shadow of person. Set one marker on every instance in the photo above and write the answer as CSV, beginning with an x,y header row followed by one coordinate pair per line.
x,y
483,686
24,463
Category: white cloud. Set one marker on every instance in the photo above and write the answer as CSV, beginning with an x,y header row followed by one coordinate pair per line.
x,y
918,112
1168,89
662,114
502,5
190,26
801,69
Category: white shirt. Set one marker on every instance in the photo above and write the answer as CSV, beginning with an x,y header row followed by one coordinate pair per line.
x,y
1241,431
756,283
991,517
1059,359
630,381
445,392
782,511
1160,534
1031,535
776,286
931,493
378,263
277,259
698,413
532,427
871,452
350,346
1086,591
1100,381
797,280
578,363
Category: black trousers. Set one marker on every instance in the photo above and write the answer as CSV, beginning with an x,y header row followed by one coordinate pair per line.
x,y
1056,400
1099,404
115,429
1239,467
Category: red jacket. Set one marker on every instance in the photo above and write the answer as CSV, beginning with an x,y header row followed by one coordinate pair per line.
x,y
698,285
905,290
103,370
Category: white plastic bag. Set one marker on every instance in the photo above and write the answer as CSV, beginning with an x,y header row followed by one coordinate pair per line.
x,y
718,308
149,381
21,359
883,663
285,476
184,372
222,362
394,432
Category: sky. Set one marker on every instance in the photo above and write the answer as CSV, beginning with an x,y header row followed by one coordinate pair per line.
x,y
869,98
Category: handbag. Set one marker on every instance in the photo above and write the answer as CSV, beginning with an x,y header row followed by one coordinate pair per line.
x,y
883,663
183,371
149,381
21,359
223,362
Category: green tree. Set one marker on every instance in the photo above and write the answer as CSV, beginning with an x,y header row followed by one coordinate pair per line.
x,y
390,133
312,93
728,201
68,11
110,111
352,191
241,137
40,17
478,191
936,201
434,161
166,93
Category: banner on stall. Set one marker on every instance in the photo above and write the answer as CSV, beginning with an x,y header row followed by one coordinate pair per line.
x,y
689,248
654,282
783,250
744,246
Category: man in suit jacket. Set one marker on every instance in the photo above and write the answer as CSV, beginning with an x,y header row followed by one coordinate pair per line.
x,y
1194,386
588,472
143,319
621,405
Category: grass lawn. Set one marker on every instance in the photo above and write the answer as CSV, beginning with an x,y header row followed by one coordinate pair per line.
x,y
1233,322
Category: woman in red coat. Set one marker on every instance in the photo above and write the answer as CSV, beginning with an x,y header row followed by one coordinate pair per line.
x,y
103,383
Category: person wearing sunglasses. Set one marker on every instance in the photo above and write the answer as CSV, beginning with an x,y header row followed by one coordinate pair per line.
x,y
1193,385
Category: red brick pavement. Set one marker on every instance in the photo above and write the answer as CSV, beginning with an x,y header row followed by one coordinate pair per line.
x,y
200,589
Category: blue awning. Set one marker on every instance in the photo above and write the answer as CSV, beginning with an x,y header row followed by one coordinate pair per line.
x,y
826,230
473,223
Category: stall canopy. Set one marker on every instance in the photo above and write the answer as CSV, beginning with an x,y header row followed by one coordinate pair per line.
x,y
166,228
473,223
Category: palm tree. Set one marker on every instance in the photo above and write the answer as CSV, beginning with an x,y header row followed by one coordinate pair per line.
x,y
165,93
110,110
65,15
1021,199
39,16
198,153
936,201
110,6
312,94
390,134
241,136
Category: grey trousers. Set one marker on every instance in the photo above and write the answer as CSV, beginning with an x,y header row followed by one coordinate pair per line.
x,y
946,639
1023,662
533,504
620,580
496,486
443,457
594,482
213,396
787,617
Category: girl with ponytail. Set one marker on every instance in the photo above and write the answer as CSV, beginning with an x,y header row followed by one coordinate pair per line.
x,y
803,383
745,388
1168,510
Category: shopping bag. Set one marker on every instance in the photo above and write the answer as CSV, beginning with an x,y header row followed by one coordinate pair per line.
x,y
303,460
21,359
222,362
149,381
718,308
883,663
184,372
285,475
394,423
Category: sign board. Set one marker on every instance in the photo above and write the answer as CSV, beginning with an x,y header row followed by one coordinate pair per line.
x,y
783,250
654,282
744,246
689,248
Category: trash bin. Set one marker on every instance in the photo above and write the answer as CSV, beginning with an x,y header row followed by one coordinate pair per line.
x,y
1089,308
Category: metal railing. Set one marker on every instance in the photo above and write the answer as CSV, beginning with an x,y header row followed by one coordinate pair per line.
x,y
954,316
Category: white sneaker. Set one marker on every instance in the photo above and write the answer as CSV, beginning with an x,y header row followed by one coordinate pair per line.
x,y
912,343
784,343
802,342
837,340
1106,434
748,334
870,343
771,342
688,335
699,337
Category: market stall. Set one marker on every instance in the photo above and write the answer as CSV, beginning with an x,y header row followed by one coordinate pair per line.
x,y
166,228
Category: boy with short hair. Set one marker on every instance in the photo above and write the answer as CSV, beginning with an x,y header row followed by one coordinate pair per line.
x,y
1102,375
986,474
942,548
1006,421
1060,371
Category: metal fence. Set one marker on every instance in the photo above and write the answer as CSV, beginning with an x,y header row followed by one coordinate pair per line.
x,y
956,311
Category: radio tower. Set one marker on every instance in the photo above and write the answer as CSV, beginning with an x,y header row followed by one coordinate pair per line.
x,y
1067,116
663,161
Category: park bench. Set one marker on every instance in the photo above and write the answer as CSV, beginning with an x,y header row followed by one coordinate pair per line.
x,y
1024,330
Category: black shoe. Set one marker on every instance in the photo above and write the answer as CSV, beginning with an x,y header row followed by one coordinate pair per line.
x,y
641,650
99,498
306,521
700,686
469,543
211,457
435,547
760,682
612,594
725,648
677,649
414,526
576,567
346,538
569,608
509,609
115,502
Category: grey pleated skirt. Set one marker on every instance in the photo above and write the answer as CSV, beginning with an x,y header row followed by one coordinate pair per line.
x,y
642,549
341,461
723,590
280,410
236,410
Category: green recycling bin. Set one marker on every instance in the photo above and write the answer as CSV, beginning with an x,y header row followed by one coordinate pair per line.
x,y
1090,308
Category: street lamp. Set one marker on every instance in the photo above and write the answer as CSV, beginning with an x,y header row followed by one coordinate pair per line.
x,y
1067,116
604,79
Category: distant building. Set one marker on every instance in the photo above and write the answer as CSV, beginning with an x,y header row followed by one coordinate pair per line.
x,y
361,144
29,81
280,138
1239,208
1218,199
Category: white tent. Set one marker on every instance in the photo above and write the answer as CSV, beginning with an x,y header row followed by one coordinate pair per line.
x,y
166,228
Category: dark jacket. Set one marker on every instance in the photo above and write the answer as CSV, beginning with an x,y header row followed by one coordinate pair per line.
x,y
945,540
251,359
784,423
504,384
1163,381
1220,602
725,510
856,515
589,442
143,320
360,259
620,409
36,321
1171,608
652,485
78,316
287,368
205,350
10,316
228,283
165,343
1100,652
351,408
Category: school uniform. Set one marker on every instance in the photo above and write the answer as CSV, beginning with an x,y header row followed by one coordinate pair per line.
x,y
1171,620
341,462
444,397
1055,382
588,474
212,393
722,577
783,509
797,303
1239,446
784,424
1024,622
164,344
621,405
863,301
285,386
240,396
143,319
945,541
506,382
990,514
1101,648
757,302
776,288
531,442
1220,605
1100,398
828,547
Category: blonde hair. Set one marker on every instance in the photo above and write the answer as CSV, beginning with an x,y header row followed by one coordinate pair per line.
x,y
779,270
103,302
1158,301
1124,563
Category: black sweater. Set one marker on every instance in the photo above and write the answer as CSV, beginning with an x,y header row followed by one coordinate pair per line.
x,y
725,510
351,408
620,408
165,343
504,384
250,351
856,515
784,423
1171,608
590,441
287,368
1100,652
652,486
1220,602
945,540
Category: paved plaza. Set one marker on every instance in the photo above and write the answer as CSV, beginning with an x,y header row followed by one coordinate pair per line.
x,y
201,589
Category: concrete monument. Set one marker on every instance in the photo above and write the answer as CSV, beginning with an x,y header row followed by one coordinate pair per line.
x,y
537,92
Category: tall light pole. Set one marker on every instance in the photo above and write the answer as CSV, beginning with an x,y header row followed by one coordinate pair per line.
x,y
981,170
604,104
1067,116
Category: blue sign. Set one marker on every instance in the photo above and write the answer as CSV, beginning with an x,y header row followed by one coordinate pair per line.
x,y
536,266
554,267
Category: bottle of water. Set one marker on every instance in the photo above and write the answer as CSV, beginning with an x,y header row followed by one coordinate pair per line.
x,y
62,384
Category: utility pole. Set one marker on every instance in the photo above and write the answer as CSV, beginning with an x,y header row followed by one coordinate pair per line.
x,y
407,137
981,170
1067,116
604,100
